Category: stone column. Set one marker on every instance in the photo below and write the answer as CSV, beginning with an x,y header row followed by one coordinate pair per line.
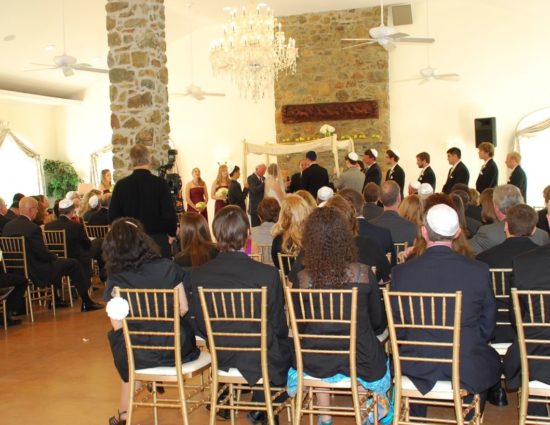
x,y
139,78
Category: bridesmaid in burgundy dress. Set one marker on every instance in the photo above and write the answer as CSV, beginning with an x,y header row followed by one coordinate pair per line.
x,y
196,194
221,182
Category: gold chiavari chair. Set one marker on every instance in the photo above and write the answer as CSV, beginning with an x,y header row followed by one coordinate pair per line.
x,y
500,281
159,306
265,251
438,314
400,248
285,265
236,321
256,257
312,308
96,231
4,292
532,314
15,261
56,242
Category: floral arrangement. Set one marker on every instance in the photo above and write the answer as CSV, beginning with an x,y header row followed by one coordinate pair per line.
x,y
200,205
221,192
117,308
327,130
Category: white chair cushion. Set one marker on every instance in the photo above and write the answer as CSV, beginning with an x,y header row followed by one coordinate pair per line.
x,y
232,372
539,385
501,347
189,367
440,386
345,383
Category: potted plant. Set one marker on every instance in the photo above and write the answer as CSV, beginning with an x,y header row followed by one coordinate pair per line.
x,y
61,177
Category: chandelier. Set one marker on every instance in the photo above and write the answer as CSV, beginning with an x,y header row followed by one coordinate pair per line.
x,y
253,50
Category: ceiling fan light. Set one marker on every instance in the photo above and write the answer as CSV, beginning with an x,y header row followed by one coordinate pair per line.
x,y
67,71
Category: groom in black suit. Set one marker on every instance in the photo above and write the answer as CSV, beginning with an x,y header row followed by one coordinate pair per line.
x,y
458,173
255,193
314,176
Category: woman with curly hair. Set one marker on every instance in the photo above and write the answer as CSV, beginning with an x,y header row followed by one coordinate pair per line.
x,y
133,260
287,232
330,262
196,242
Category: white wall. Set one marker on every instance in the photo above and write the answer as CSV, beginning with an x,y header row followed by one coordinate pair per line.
x,y
500,50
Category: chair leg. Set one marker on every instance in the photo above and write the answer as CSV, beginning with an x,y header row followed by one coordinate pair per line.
x,y
132,384
69,290
155,408
523,395
213,399
183,401
311,403
53,299
232,403
29,305
5,315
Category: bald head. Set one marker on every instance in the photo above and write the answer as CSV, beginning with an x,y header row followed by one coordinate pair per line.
x,y
28,206
390,195
3,207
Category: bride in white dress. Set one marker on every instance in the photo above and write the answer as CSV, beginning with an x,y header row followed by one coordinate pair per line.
x,y
274,185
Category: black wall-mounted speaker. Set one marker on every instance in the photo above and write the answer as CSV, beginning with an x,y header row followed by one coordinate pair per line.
x,y
486,130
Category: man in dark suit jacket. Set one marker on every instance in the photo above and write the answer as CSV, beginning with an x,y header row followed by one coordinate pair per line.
x,y
458,173
13,211
255,193
440,269
488,175
371,209
314,176
517,177
395,172
101,216
373,174
427,175
296,179
519,225
3,211
233,269
235,194
43,266
78,244
146,197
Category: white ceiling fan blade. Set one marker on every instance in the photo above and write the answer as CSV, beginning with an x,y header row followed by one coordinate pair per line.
x,y
446,76
357,39
213,94
80,67
416,40
366,43
408,79
397,35
424,80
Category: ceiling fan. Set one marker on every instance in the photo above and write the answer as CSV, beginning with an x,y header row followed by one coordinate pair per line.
x,y
67,63
192,89
385,36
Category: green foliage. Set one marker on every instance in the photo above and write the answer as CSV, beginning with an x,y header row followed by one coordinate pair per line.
x,y
61,177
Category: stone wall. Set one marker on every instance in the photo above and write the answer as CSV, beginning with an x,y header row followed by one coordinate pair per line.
x,y
327,73
139,78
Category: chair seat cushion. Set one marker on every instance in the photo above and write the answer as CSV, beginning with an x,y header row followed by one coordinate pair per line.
x,y
539,385
186,368
439,387
501,347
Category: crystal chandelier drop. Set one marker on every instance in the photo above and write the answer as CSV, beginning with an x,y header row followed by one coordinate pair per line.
x,y
253,50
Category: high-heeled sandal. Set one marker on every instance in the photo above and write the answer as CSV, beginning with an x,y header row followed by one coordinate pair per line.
x,y
320,422
117,420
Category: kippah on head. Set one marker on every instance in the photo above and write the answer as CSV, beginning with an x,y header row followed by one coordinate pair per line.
x,y
415,184
93,201
311,155
425,189
325,193
352,156
65,203
443,220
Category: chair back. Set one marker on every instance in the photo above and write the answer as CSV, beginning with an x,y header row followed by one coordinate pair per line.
x,y
236,321
500,280
150,308
96,231
431,323
532,314
265,251
14,255
256,257
285,265
400,247
56,242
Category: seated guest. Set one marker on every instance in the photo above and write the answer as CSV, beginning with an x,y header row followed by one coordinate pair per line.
x,y
544,214
43,216
352,177
366,229
15,300
89,204
411,209
287,232
3,211
531,272
472,208
519,225
73,195
440,269
43,266
196,243
13,212
327,232
268,213
401,230
310,200
471,223
504,197
487,207
233,269
323,195
371,193
78,244
235,194
424,191
100,217
134,262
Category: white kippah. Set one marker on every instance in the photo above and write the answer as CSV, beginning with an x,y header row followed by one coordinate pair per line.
x,y
71,194
396,152
325,193
415,184
93,201
65,203
353,156
425,189
374,152
443,220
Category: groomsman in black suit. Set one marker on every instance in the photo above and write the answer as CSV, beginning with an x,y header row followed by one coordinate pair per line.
x,y
427,175
517,177
488,175
458,173
255,193
395,172
314,176
372,169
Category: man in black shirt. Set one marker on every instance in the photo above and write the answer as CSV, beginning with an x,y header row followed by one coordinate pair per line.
x,y
314,176
147,198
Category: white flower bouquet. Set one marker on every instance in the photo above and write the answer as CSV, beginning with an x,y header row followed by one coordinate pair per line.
x,y
200,205
117,308
327,130
221,192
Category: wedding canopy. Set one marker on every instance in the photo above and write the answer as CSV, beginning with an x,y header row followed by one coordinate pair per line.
x,y
330,143
4,133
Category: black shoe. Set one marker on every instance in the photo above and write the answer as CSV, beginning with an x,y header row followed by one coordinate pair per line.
x,y
497,396
13,322
221,413
259,418
60,304
90,306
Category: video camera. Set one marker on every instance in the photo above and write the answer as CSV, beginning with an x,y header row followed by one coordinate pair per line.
x,y
173,179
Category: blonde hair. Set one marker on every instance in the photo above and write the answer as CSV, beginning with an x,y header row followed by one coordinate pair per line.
x,y
294,212
411,209
85,204
308,197
219,177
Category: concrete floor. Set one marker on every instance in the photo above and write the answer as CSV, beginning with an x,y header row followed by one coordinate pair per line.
x,y
60,372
